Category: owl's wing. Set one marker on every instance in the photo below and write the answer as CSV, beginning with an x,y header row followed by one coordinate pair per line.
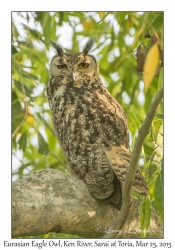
x,y
119,159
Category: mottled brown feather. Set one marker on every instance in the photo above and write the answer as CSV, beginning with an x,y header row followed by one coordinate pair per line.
x,y
92,129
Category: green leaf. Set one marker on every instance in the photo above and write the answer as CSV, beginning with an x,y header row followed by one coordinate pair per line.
x,y
15,100
28,91
160,142
160,81
14,50
145,216
15,32
29,75
46,28
159,116
158,22
121,16
61,18
158,194
43,147
23,141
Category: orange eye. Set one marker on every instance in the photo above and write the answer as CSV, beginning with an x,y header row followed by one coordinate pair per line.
x,y
62,66
83,65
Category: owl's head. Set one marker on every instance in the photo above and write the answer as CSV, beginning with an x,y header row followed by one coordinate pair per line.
x,y
73,66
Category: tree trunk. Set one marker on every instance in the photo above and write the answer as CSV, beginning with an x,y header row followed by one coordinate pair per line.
x,y
51,201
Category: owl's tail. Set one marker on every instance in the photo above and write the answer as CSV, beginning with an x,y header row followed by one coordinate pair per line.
x,y
115,199
119,159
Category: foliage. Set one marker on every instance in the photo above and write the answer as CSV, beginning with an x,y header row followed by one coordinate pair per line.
x,y
122,40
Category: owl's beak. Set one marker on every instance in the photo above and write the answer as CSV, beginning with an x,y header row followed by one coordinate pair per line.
x,y
73,75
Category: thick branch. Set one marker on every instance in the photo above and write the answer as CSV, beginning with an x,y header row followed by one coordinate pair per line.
x,y
52,201
127,186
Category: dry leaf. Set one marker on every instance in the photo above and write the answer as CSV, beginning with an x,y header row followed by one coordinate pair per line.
x,y
150,66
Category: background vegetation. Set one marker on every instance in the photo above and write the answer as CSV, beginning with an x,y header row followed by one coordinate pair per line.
x,y
122,41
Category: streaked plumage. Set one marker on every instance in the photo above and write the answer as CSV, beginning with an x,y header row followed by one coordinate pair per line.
x,y
90,125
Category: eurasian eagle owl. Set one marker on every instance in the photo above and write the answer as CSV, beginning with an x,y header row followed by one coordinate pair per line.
x,y
90,125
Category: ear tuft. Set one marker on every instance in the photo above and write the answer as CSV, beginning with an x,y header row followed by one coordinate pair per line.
x,y
88,46
58,48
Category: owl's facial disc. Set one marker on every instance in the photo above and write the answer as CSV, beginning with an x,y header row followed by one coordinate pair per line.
x,y
73,66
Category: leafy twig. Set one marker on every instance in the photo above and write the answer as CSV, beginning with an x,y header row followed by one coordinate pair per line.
x,y
140,32
25,104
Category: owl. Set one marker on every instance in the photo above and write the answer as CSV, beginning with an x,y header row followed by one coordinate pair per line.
x,y
90,125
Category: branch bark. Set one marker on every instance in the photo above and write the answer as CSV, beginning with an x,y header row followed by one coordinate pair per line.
x,y
127,186
52,201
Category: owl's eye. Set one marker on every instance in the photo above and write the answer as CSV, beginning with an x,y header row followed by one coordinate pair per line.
x,y
62,66
83,65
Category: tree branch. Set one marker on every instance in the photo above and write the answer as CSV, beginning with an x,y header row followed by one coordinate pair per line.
x,y
127,186
52,201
